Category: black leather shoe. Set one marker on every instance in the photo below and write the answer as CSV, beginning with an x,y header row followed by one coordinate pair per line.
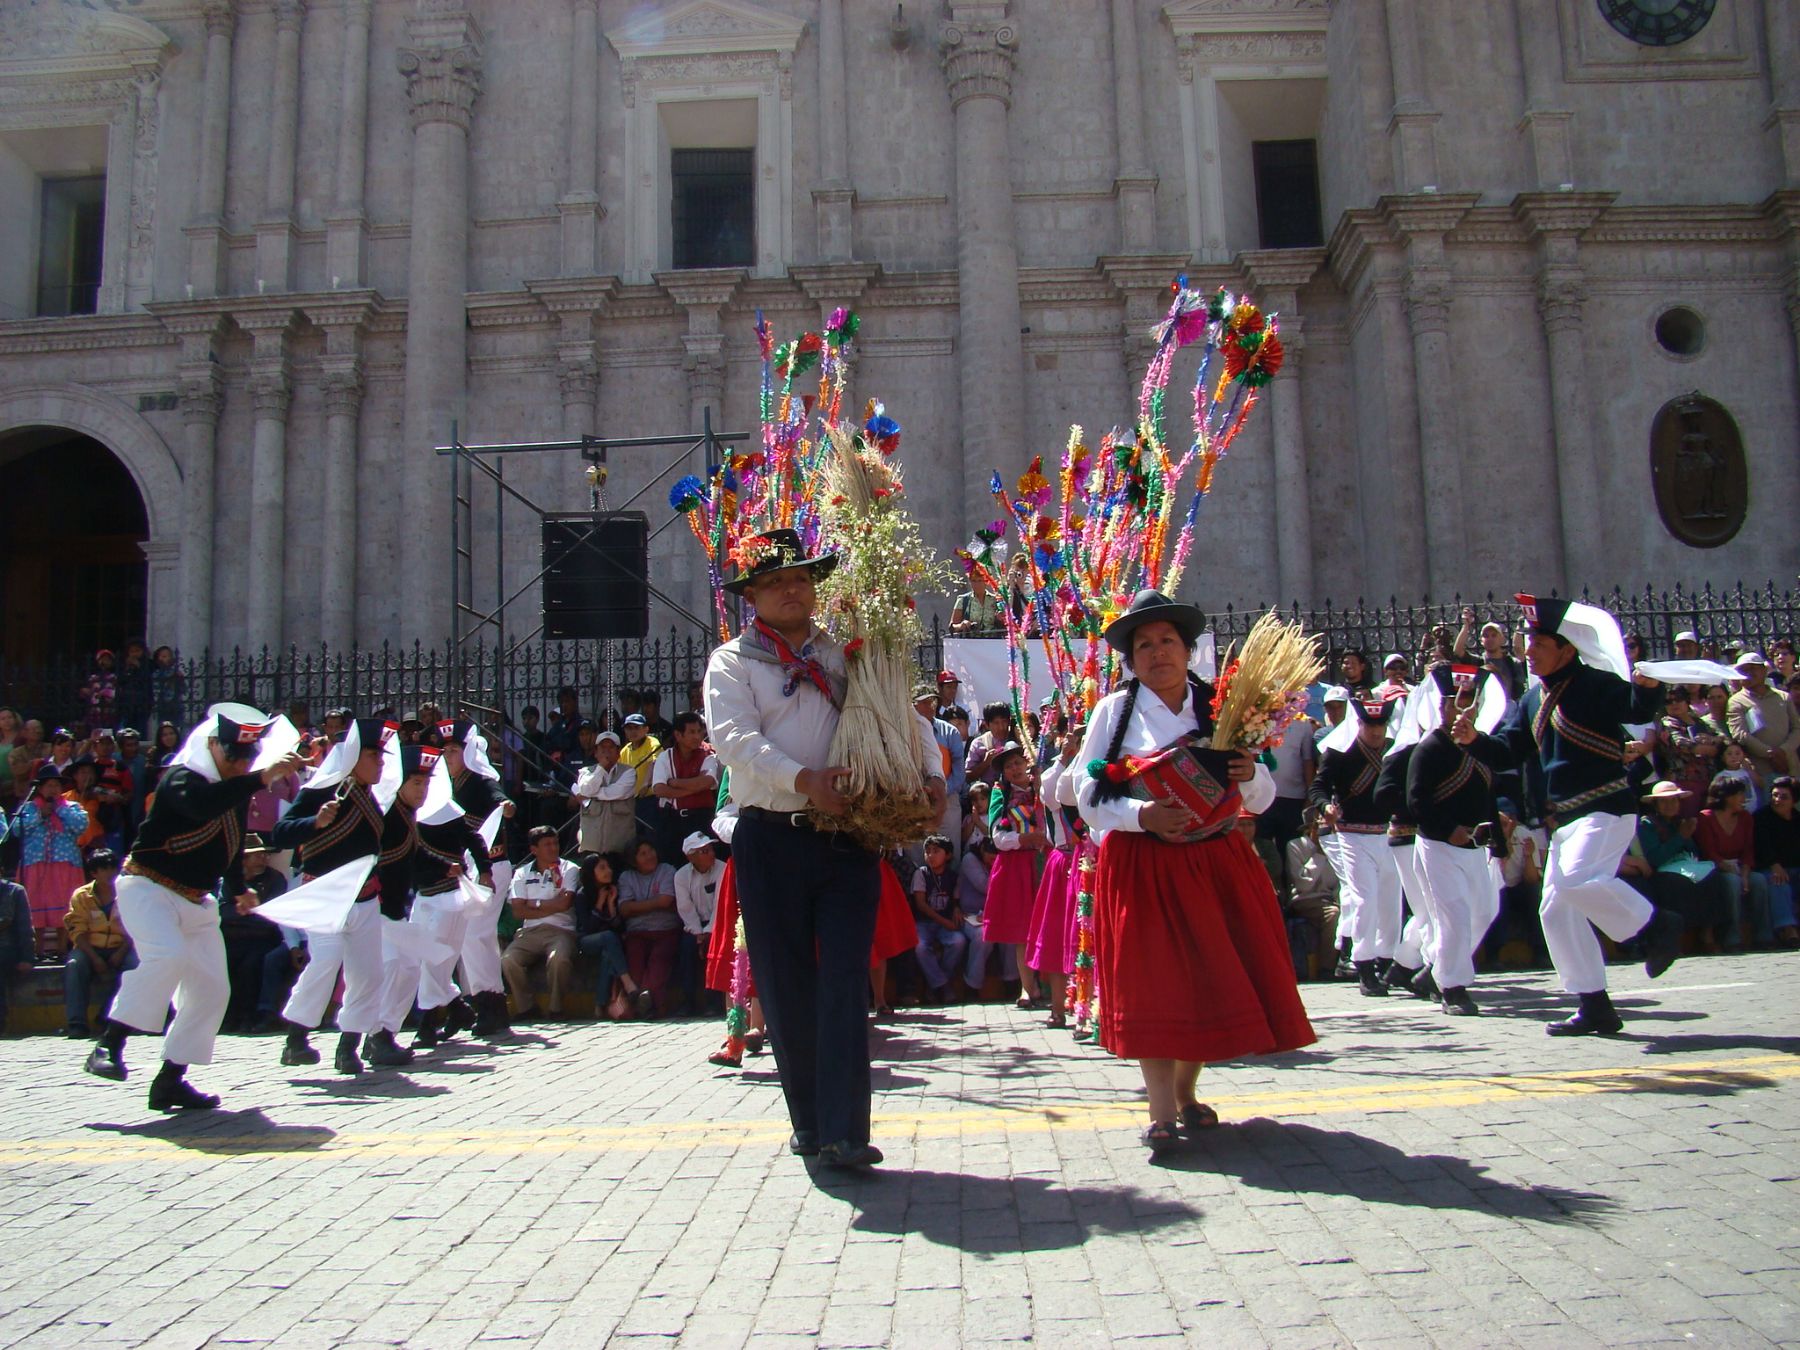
x,y
430,1033
1368,979
1457,1003
1423,986
1400,978
459,1016
1662,941
1596,1017
346,1059
849,1157
104,1063
386,1052
298,1051
803,1144
179,1095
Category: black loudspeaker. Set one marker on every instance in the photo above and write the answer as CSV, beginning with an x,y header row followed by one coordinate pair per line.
x,y
596,575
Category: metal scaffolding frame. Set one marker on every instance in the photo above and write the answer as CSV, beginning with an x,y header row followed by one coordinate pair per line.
x,y
466,461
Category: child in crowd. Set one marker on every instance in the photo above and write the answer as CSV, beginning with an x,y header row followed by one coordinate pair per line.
x,y
938,917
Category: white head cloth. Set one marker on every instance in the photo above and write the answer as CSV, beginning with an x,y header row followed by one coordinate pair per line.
x,y
277,742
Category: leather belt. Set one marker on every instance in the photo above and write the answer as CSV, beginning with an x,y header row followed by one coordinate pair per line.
x,y
789,820
192,894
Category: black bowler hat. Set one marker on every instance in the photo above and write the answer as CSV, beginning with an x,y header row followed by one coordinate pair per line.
x,y
777,551
1150,606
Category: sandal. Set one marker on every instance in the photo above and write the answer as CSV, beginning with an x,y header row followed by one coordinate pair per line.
x,y
1198,1116
725,1059
1162,1137
1025,1004
1057,1021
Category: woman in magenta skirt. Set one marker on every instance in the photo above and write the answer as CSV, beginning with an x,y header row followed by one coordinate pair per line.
x,y
1191,949
1016,822
1047,948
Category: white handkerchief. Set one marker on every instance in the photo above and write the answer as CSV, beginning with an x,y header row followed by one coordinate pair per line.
x,y
473,894
1690,672
490,828
321,905
409,941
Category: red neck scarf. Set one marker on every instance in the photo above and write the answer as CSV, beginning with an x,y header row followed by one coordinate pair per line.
x,y
797,667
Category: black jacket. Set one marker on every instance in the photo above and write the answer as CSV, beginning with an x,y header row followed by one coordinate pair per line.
x,y
355,833
1448,785
1348,778
1572,726
194,834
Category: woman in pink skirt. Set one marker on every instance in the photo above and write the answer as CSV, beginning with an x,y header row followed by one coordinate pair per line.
x,y
1016,821
1047,949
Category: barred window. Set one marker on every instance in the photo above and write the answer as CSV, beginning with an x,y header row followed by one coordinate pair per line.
x,y
1287,193
713,208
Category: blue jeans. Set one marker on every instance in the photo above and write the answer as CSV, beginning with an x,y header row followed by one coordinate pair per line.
x,y
609,962
79,980
1781,901
278,975
1750,917
940,951
809,903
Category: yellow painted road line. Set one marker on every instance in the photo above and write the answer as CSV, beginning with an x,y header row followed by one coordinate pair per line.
x,y
1376,1095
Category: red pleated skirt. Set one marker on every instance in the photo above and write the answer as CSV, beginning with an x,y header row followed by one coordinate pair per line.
x,y
722,955
1192,952
1047,949
1012,887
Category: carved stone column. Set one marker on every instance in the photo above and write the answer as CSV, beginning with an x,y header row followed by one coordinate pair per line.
x,y
1135,185
833,198
443,79
347,227
1277,275
275,230
979,47
1782,25
206,232
1559,219
1412,129
270,393
202,393
1544,123
1423,221
341,372
580,205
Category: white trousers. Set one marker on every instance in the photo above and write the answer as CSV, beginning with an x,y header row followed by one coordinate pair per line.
x,y
1370,888
1465,900
399,983
1417,947
481,938
357,951
181,957
443,917
1582,887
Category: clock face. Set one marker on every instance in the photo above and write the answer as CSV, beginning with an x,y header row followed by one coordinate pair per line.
x,y
1657,23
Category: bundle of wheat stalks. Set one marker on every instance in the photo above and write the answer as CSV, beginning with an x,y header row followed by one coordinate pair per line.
x,y
868,605
1262,688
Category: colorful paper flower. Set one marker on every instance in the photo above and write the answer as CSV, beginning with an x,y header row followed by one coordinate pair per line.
x,y
687,494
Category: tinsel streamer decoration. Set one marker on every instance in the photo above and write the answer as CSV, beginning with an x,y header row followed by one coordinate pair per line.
x,y
737,1014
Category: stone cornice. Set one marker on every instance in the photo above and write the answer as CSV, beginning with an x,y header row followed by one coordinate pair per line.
x,y
1064,286
87,333
707,28
1682,225
1288,269
560,295
1426,213
836,283
1142,271
1561,212
702,287
1197,17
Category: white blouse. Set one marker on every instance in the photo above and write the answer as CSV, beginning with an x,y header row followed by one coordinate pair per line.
x,y
1154,726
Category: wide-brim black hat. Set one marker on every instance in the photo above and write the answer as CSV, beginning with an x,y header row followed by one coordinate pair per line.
x,y
1150,606
777,551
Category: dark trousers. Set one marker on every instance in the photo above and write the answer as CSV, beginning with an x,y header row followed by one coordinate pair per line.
x,y
651,957
278,975
244,957
809,903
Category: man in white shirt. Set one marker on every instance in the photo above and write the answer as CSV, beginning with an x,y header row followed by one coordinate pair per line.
x,y
606,795
543,900
696,900
685,782
809,899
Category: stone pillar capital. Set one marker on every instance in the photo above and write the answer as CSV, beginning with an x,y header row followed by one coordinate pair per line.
x,y
1428,302
442,69
579,380
270,393
220,16
202,396
343,385
289,15
1560,297
978,46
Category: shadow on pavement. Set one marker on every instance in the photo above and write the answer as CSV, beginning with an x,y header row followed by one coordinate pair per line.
x,y
1274,1156
377,1084
1688,1043
984,1214
226,1132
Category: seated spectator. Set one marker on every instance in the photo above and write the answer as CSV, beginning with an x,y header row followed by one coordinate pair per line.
x,y
971,897
597,921
975,819
639,754
1522,882
1781,654
1734,763
1687,751
1687,645
1726,838
696,901
997,731
684,781
84,781
1763,721
249,941
606,795
938,917
18,950
542,899
976,612
280,968
1663,864
49,857
99,951
650,705
1313,894
1777,828
652,925
1718,704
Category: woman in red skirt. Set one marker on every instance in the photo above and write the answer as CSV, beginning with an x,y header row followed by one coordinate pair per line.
x,y
1192,950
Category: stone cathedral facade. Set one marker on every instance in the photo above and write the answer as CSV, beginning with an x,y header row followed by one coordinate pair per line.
x,y
1537,264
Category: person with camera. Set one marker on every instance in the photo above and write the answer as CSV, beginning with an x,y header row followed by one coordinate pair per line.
x,y
1493,655
1450,792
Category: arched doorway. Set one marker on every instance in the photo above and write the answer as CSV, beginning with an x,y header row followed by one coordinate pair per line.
x,y
73,577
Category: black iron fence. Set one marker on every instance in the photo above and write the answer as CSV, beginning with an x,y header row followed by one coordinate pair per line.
x,y
493,683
